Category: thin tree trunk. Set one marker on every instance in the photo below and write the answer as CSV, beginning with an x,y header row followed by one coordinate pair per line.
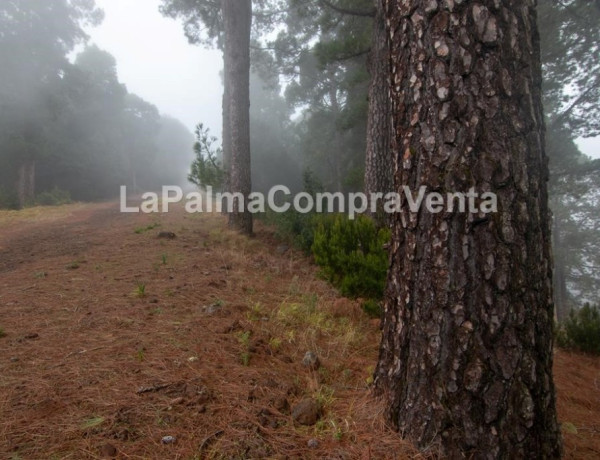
x,y
25,183
337,142
237,19
465,361
560,282
379,161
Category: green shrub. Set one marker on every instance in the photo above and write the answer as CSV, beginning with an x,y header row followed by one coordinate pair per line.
x,y
351,254
581,331
372,308
297,228
54,197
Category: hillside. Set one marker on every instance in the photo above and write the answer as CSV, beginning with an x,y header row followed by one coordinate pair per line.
x,y
115,339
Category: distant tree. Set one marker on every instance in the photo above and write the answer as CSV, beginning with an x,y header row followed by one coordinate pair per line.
x,y
228,25
571,62
571,59
35,38
465,361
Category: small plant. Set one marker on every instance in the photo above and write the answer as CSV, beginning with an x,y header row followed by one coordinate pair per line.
x,y
275,343
40,275
244,340
206,169
164,259
73,266
352,256
141,355
372,308
581,331
325,396
2,333
140,290
256,312
245,358
140,230
92,422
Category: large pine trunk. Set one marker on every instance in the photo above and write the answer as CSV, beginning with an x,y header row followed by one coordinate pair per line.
x,y
379,161
466,355
237,20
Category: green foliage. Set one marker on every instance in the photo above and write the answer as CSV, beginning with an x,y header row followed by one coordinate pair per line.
x,y
2,333
140,290
372,308
140,230
297,228
206,168
54,197
8,200
351,255
581,331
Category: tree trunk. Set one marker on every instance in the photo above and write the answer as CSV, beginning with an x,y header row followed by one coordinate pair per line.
x,y
237,20
561,298
25,183
336,157
465,361
379,161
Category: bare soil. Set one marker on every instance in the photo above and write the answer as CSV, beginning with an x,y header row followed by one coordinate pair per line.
x,y
116,339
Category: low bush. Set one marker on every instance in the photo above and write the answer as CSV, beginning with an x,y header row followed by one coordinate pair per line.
x,y
54,197
8,200
581,331
352,255
294,227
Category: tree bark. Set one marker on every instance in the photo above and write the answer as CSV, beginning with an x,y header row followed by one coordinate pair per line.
x,y
237,20
465,361
25,183
379,161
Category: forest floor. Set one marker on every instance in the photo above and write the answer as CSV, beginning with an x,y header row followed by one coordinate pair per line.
x,y
114,339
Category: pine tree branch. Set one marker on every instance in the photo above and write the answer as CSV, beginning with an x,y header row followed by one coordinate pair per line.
x,y
561,117
349,11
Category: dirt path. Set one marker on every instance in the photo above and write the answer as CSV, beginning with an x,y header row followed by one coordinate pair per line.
x,y
116,339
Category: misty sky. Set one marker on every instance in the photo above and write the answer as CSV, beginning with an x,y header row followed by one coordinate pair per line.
x,y
156,62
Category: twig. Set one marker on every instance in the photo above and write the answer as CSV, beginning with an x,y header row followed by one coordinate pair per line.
x,y
209,439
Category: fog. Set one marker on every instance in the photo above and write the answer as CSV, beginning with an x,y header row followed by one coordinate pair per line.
x,y
96,96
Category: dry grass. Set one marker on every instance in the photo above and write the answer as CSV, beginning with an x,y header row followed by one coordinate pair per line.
x,y
215,341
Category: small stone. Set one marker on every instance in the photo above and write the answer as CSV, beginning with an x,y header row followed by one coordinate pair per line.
x,y
313,443
193,359
169,440
211,309
167,235
176,401
14,360
108,451
282,405
282,249
307,412
311,360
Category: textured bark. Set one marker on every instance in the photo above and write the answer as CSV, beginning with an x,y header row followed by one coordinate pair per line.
x,y
25,183
379,161
237,20
466,355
